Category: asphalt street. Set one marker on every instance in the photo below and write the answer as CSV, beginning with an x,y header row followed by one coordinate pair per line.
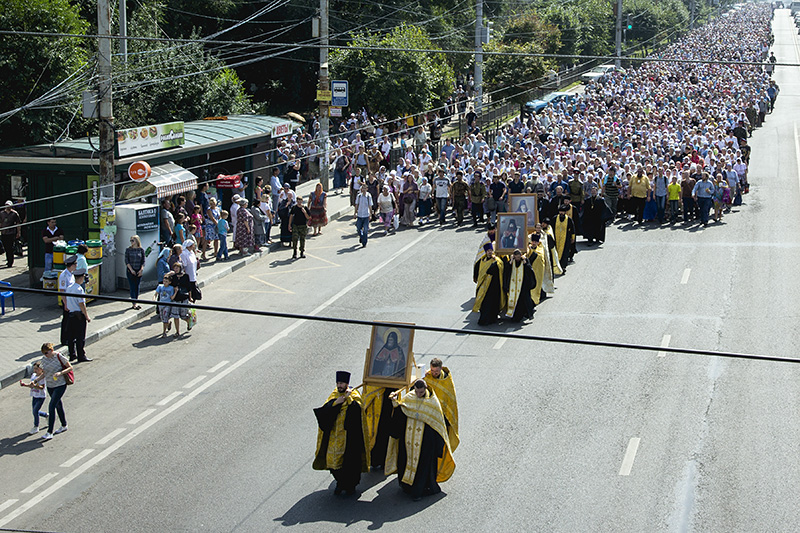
x,y
214,432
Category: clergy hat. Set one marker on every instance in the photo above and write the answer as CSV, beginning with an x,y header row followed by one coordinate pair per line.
x,y
342,377
536,237
70,260
488,246
563,208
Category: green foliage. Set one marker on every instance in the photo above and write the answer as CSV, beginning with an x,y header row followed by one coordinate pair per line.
x,y
510,76
654,20
393,83
33,65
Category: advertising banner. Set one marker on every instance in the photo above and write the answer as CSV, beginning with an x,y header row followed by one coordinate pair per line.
x,y
149,138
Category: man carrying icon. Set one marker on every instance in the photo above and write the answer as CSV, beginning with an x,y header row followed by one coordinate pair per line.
x,y
342,439
489,295
440,380
419,450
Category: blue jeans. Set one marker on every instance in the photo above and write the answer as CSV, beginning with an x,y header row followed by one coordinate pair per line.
x,y
48,263
223,245
705,207
37,404
133,282
362,226
56,406
673,208
339,179
661,204
441,203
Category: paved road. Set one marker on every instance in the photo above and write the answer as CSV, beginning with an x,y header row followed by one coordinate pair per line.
x,y
215,432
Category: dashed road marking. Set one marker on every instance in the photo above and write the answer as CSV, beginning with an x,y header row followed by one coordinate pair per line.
x,y
217,367
145,414
169,398
6,504
685,277
39,482
630,455
77,458
664,344
194,382
111,436
499,344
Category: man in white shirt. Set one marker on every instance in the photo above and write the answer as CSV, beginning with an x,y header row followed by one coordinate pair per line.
x,y
78,318
363,205
65,279
441,187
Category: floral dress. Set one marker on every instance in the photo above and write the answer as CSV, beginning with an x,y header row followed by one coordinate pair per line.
x,y
244,230
319,217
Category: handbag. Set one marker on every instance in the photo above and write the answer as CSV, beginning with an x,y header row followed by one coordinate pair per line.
x,y
69,377
196,294
396,221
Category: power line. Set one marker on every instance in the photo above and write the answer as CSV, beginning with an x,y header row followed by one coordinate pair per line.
x,y
433,329
418,50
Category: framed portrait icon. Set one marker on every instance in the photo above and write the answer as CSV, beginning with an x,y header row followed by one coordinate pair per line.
x,y
512,232
389,361
525,203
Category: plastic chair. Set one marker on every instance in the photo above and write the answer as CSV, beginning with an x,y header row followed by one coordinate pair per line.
x,y
3,296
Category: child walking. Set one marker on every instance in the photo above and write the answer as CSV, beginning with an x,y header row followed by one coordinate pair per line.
x,y
165,293
222,231
37,395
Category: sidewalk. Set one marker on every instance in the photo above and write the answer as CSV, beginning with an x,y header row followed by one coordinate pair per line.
x,y
37,318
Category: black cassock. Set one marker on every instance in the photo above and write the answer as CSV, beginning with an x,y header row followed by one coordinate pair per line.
x,y
349,475
525,305
490,307
378,454
432,449
594,220
569,246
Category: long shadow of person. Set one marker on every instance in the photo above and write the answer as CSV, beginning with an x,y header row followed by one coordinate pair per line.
x,y
391,505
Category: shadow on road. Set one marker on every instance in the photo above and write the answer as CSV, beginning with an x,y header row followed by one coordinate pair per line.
x,y
19,444
391,505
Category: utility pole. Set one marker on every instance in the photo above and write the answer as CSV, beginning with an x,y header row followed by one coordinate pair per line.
x,y
123,30
618,40
108,280
479,57
324,107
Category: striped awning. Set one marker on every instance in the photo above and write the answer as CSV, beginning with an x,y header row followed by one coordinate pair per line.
x,y
170,179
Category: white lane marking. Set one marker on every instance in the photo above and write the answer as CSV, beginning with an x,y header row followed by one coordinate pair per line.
x,y
664,343
169,398
217,366
797,151
194,382
6,504
39,482
77,458
499,344
77,472
142,416
685,278
110,436
630,455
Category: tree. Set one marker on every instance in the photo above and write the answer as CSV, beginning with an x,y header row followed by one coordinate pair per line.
x,y
391,82
34,65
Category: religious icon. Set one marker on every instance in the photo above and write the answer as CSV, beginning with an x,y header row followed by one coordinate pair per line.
x,y
525,203
389,359
511,232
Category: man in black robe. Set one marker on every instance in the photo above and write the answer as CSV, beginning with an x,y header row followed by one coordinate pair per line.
x,y
341,442
594,218
518,280
564,232
489,297
420,410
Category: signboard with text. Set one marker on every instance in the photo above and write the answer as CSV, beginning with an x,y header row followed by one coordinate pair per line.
x,y
149,138
93,192
279,130
339,97
147,219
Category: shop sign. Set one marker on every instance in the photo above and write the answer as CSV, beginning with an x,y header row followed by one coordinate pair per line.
x,y
279,130
149,138
147,219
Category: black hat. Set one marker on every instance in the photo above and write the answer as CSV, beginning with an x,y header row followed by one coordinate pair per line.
x,y
488,247
563,208
536,237
342,377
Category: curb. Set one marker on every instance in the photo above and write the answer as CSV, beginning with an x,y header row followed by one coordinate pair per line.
x,y
128,319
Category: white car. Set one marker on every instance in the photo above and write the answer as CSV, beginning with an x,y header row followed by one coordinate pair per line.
x,y
599,72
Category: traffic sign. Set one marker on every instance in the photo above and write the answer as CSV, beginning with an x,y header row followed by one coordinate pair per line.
x,y
340,93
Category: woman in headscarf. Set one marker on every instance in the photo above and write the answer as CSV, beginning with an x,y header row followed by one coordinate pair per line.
x,y
318,207
243,240
425,201
408,198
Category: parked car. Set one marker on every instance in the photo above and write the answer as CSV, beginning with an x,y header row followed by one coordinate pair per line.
x,y
599,72
534,106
